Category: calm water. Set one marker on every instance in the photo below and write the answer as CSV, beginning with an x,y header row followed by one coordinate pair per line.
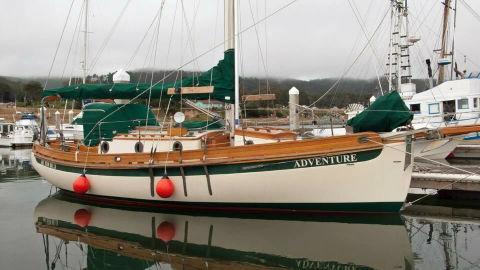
x,y
57,232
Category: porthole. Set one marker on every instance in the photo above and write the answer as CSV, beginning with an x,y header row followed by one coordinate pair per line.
x,y
118,159
104,147
177,146
248,142
138,147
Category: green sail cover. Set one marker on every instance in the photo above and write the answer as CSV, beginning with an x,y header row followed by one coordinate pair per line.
x,y
119,119
384,115
202,124
221,77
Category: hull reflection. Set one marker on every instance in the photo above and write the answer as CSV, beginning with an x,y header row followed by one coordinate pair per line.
x,y
141,239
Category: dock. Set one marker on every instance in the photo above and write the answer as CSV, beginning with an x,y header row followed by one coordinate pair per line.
x,y
438,177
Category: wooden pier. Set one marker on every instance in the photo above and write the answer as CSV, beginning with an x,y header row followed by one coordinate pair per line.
x,y
439,177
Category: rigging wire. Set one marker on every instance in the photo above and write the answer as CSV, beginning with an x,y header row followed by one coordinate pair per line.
x,y
364,30
155,49
350,67
471,10
196,58
96,58
77,27
58,45
137,49
262,58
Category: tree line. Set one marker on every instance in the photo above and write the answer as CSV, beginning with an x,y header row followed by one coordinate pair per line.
x,y
340,94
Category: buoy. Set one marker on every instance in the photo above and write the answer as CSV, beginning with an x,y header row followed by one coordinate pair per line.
x,y
81,184
165,187
82,217
166,231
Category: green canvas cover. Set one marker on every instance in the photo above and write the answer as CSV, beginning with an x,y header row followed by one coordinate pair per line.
x,y
384,115
119,119
221,77
202,124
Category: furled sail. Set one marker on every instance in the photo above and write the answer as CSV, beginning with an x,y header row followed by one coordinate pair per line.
x,y
221,77
384,115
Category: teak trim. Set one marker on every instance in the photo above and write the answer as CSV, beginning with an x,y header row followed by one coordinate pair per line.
x,y
191,90
216,155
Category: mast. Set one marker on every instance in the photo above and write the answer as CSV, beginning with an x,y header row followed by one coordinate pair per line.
x,y
232,114
236,61
398,51
453,39
390,53
85,43
399,74
443,50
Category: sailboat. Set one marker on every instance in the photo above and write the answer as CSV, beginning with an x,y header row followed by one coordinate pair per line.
x,y
454,101
135,238
128,156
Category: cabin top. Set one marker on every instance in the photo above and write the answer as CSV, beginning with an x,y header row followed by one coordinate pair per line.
x,y
449,90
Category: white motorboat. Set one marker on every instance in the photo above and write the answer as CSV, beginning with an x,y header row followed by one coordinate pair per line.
x,y
22,133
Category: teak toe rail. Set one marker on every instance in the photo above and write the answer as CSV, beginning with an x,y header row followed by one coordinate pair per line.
x,y
220,155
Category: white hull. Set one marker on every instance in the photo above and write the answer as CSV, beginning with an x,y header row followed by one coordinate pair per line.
x,y
467,151
431,149
434,149
383,179
339,243
16,141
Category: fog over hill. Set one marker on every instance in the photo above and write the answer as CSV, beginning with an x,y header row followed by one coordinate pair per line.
x,y
348,90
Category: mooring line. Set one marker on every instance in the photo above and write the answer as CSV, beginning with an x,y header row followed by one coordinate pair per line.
x,y
433,161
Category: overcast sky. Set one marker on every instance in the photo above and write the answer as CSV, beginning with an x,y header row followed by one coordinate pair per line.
x,y
309,39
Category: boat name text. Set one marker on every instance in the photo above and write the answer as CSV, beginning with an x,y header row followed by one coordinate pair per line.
x,y
322,161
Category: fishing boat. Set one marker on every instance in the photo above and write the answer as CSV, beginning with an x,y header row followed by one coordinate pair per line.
x,y
22,133
206,169
140,238
453,102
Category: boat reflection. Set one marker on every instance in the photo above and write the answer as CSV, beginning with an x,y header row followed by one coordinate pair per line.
x,y
134,239
445,235
15,164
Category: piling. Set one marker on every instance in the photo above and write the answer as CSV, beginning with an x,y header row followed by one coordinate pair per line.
x,y
293,94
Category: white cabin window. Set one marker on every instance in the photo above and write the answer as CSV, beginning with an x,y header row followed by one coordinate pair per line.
x,y
415,108
434,108
462,104
475,103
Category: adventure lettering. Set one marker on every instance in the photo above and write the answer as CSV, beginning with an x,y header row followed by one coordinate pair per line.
x,y
322,161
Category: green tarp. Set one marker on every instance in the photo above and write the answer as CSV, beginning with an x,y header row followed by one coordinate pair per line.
x,y
118,119
384,115
214,124
221,77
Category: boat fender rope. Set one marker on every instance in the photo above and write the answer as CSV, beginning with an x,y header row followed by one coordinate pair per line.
x,y
184,180
152,181
209,185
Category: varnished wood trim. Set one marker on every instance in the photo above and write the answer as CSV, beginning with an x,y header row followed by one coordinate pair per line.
x,y
459,130
266,134
191,90
220,155
135,250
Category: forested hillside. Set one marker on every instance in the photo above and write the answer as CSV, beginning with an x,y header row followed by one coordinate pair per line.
x,y
347,91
